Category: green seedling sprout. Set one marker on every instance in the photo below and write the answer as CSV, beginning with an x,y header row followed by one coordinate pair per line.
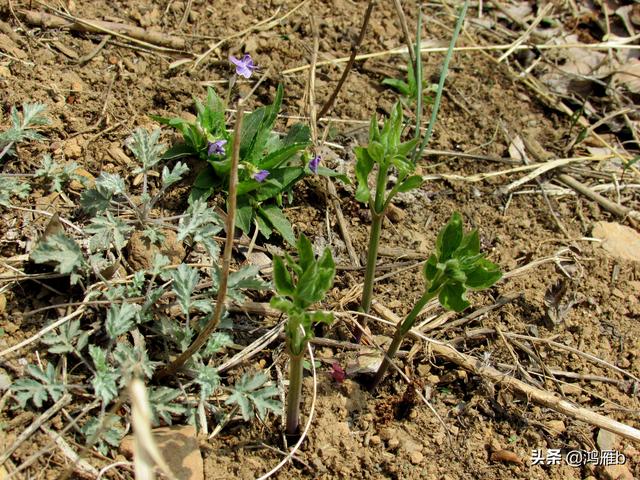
x,y
386,152
456,267
301,283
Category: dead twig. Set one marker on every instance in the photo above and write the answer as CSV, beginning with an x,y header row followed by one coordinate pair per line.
x,y
352,58
149,39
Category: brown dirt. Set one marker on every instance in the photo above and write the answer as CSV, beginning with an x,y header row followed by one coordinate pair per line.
x,y
392,434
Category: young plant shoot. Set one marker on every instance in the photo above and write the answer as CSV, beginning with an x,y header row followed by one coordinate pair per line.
x,y
456,267
301,283
388,153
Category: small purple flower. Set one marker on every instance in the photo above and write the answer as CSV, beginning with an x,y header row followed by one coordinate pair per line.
x,y
314,163
261,175
244,66
217,147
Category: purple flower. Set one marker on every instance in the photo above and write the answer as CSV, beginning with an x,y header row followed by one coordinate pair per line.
x,y
245,66
217,147
261,176
314,163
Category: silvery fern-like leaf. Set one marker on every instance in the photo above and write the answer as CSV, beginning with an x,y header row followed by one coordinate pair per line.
x,y
133,361
39,390
63,342
104,432
57,173
22,128
185,280
121,319
105,380
169,177
145,147
247,392
208,380
111,182
162,406
201,223
11,187
153,234
107,230
216,343
245,278
95,200
61,251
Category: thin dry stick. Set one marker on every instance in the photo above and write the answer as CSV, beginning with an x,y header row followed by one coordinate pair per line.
x,y
153,40
539,396
226,258
405,30
81,466
331,188
37,423
527,32
352,58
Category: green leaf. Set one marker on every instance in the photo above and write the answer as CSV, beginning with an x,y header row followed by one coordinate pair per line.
x,y
410,183
281,277
484,275
63,342
469,245
107,431
201,224
306,258
61,251
327,172
207,379
145,147
449,238
322,317
95,200
217,342
364,165
162,406
281,155
185,280
204,185
39,390
169,177
398,85
452,297
120,319
274,216
132,361
111,183
105,379
179,150
107,230
244,215
250,391
280,180
11,187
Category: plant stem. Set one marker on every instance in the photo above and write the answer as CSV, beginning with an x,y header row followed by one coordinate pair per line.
x,y
372,259
377,217
443,77
226,258
418,73
402,329
295,392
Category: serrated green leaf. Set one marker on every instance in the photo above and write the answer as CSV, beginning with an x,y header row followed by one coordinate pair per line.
x,y
111,183
247,392
12,187
105,432
145,147
104,381
185,280
217,342
169,177
121,319
107,230
162,404
61,251
39,390
95,200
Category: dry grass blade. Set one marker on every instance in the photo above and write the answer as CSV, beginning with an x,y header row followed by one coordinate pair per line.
x,y
146,454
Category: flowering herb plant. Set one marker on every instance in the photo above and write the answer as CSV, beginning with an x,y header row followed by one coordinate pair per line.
x,y
300,284
456,267
270,164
